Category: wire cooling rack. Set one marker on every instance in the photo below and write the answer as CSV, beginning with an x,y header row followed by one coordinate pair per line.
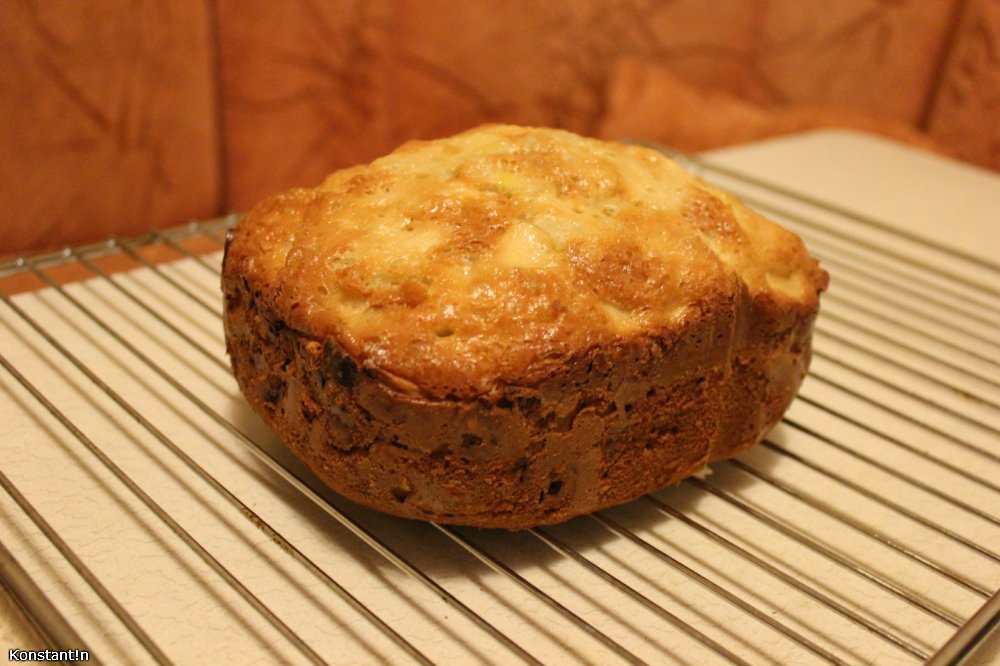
x,y
149,517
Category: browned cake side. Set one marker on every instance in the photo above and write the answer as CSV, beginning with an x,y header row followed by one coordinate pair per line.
x,y
515,376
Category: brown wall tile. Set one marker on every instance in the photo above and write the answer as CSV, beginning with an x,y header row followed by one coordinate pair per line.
x,y
304,90
112,117
650,101
966,107
309,87
548,63
868,55
109,123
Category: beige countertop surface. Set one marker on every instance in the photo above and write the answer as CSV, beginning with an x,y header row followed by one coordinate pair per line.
x,y
923,196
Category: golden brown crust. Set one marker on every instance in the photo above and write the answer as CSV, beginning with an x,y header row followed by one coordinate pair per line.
x,y
466,264
515,326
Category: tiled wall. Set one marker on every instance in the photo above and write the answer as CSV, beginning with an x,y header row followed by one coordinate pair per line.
x,y
107,120
119,117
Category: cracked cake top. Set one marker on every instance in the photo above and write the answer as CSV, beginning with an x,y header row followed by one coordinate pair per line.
x,y
456,266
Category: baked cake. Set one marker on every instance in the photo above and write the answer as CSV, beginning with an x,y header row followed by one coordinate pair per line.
x,y
514,326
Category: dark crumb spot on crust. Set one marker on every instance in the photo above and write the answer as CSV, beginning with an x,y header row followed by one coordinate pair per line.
x,y
529,406
310,410
234,298
469,440
274,389
347,373
553,489
542,423
341,368
400,494
520,467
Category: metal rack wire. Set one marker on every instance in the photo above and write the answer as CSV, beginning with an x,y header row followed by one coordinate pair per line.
x,y
148,516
